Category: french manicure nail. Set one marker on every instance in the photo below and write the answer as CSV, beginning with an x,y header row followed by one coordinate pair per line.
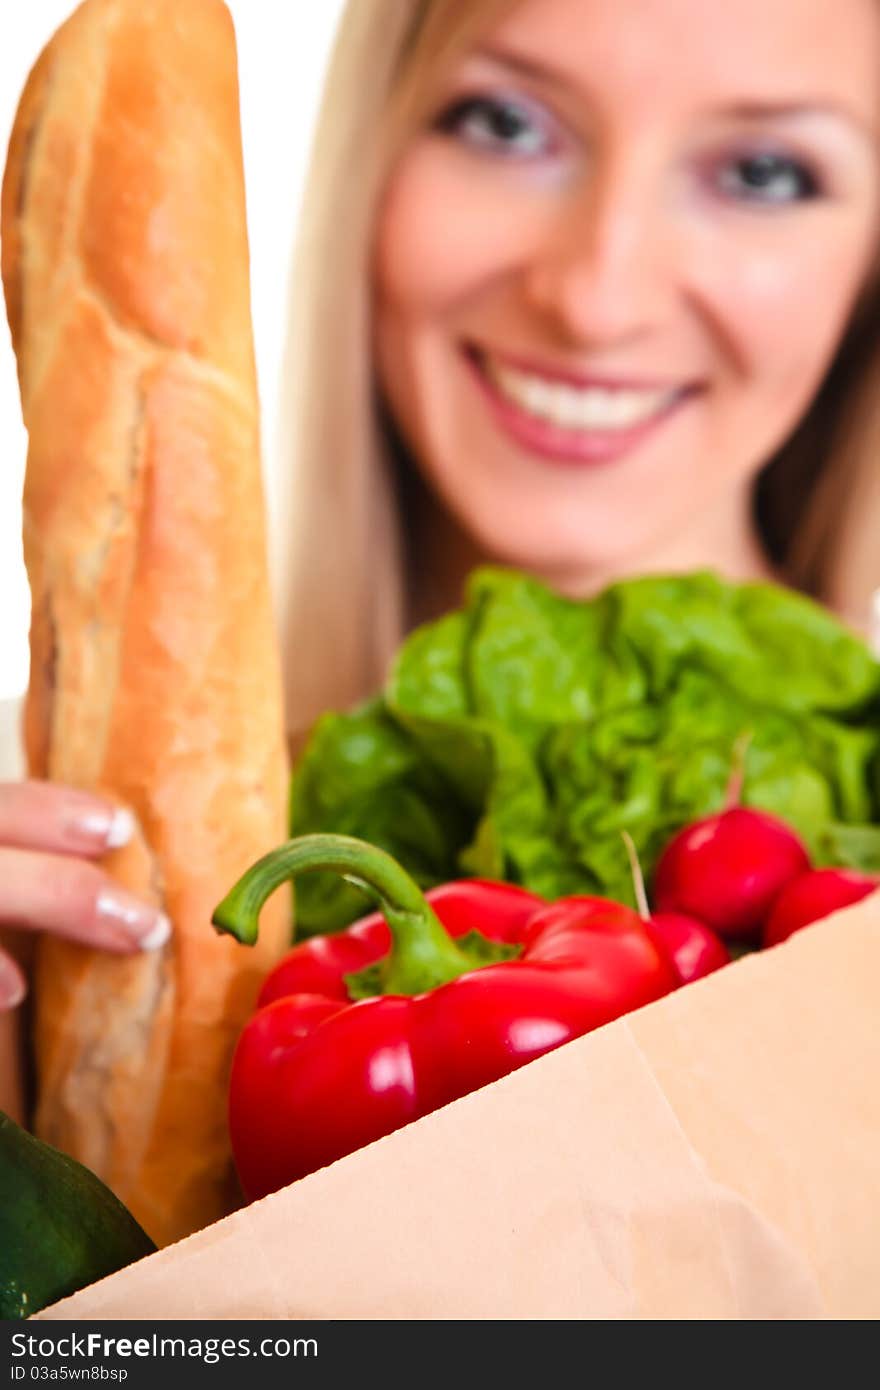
x,y
160,934
110,827
146,927
121,828
12,987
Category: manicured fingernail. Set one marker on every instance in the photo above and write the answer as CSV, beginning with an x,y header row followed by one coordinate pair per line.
x,y
121,828
147,928
160,934
12,986
111,827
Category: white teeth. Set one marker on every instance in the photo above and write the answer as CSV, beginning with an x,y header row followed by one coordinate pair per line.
x,y
577,408
534,395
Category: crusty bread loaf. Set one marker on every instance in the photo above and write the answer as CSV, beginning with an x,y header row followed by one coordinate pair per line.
x,y
155,674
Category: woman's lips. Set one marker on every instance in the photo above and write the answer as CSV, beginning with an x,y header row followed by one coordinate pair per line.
x,y
587,422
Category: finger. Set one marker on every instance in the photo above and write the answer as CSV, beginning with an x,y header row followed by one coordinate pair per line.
x,y
64,820
13,986
75,899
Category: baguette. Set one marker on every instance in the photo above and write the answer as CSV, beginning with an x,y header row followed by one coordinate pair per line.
x,y
155,674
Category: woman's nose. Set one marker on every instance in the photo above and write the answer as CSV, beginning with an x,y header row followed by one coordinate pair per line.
x,y
604,270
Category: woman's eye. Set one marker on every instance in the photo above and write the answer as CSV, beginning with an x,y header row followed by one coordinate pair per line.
x,y
497,124
768,178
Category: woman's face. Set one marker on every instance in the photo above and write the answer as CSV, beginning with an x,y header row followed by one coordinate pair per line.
x,y
614,267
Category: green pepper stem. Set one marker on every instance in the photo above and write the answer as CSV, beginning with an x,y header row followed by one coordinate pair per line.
x,y
422,956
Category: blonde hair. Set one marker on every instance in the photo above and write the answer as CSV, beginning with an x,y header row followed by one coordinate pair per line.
x,y
342,589
341,586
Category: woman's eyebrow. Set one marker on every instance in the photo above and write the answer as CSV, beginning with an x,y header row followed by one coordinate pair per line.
x,y
803,108
748,110
529,67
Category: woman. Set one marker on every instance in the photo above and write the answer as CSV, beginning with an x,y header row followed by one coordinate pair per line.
x,y
585,288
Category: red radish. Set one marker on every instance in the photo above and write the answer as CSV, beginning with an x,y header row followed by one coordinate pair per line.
x,y
729,869
813,895
691,948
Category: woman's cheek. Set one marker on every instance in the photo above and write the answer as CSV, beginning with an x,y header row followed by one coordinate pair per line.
x,y
784,310
448,229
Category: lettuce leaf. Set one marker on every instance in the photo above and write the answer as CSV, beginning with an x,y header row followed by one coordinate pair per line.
x,y
517,737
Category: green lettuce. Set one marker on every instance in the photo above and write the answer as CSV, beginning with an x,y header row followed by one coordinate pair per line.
x,y
517,737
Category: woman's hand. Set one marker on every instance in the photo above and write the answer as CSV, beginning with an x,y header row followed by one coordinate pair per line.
x,y
49,836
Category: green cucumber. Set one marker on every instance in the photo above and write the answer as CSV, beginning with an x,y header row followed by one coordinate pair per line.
x,y
61,1228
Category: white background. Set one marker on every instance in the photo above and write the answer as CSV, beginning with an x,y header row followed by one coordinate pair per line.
x,y
283,46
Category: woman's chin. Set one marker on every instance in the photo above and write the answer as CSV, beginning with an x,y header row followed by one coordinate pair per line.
x,y
572,567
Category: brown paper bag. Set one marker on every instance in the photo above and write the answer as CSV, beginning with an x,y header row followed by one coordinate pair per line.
x,y
715,1155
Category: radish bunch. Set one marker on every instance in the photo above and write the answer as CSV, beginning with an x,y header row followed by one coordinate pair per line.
x,y
692,948
747,876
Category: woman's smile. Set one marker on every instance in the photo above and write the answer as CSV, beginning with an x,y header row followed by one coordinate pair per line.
x,y
569,418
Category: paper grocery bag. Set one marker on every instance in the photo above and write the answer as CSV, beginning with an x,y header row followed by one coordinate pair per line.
x,y
715,1155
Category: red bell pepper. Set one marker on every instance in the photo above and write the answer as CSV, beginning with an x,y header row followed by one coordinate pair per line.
x,y
320,965
316,1075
